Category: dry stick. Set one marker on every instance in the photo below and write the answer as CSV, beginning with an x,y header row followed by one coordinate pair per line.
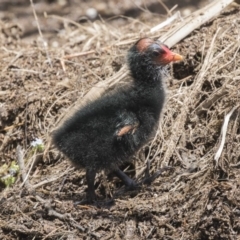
x,y
52,179
4,92
40,33
68,20
51,233
168,21
26,178
30,169
12,126
144,8
165,7
80,54
13,61
26,70
63,62
50,108
130,227
205,105
21,164
223,134
236,165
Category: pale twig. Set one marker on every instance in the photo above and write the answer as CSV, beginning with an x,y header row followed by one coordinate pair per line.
x,y
13,61
80,54
173,8
130,229
68,20
12,126
165,7
63,62
4,92
140,7
33,161
235,165
223,134
168,21
206,104
52,179
53,104
45,45
20,160
26,70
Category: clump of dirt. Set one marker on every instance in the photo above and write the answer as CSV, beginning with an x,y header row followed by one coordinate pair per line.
x,y
197,199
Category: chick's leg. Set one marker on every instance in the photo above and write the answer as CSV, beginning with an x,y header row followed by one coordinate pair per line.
x,y
90,176
126,180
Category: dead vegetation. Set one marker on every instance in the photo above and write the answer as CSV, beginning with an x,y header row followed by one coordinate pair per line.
x,y
197,199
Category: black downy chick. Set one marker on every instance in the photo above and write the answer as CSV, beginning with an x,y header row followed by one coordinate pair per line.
x,y
108,131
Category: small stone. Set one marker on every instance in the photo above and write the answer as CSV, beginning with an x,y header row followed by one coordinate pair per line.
x,y
91,13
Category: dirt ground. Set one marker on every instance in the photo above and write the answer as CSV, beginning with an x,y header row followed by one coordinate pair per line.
x,y
41,80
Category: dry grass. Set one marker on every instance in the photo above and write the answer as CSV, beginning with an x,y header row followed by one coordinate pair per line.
x,y
198,199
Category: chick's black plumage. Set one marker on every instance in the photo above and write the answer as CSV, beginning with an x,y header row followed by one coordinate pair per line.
x,y
108,131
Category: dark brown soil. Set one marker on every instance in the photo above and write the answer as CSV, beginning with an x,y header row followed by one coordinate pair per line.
x,y
198,198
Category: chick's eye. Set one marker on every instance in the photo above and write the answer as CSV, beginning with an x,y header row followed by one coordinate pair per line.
x,y
158,52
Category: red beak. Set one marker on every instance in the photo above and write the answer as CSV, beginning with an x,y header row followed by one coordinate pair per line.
x,y
170,57
176,57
